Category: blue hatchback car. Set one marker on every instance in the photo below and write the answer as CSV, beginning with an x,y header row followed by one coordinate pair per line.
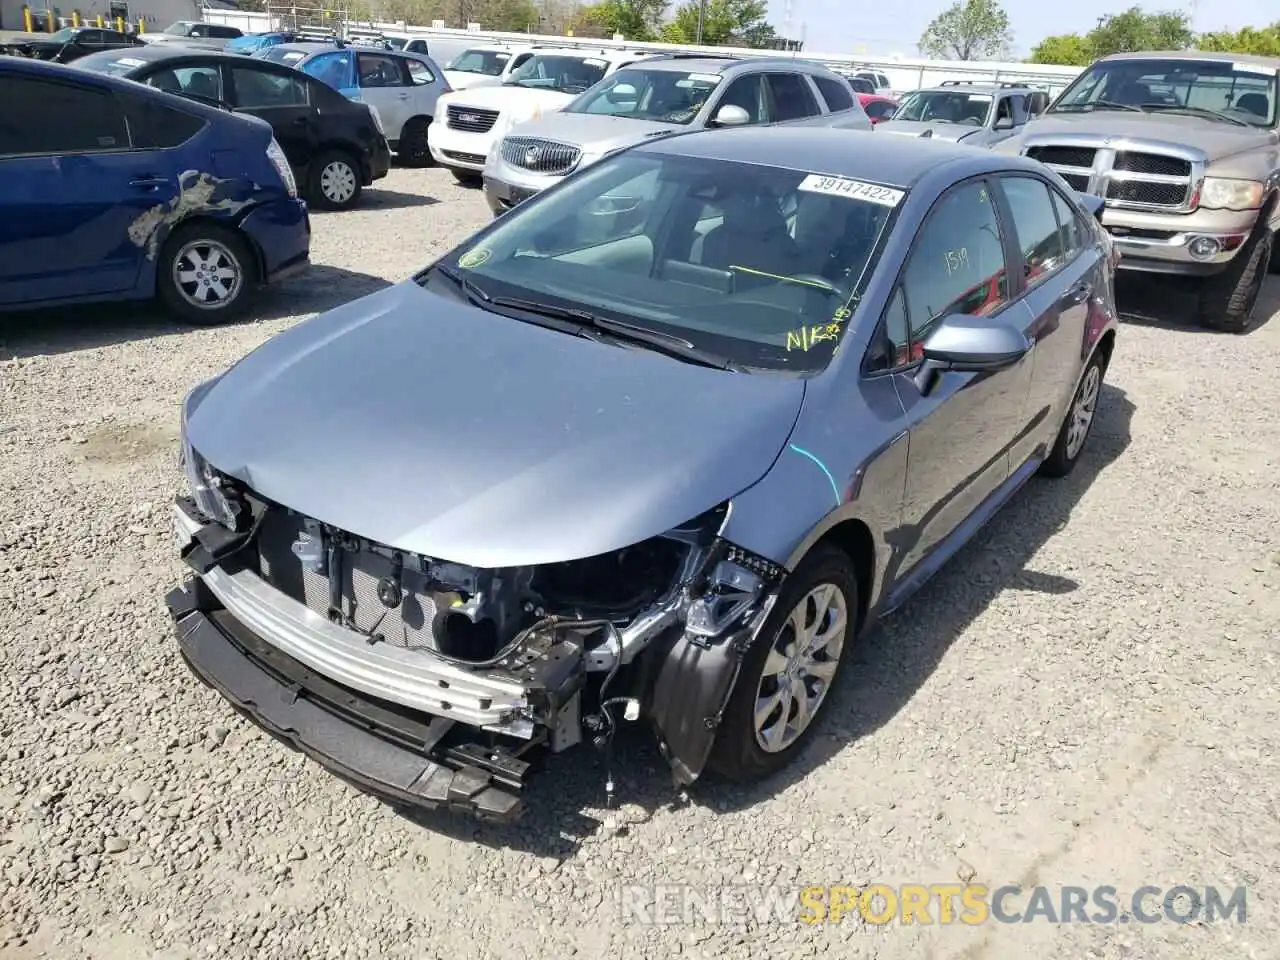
x,y
111,190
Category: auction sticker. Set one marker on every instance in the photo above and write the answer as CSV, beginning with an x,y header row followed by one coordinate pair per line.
x,y
856,189
474,258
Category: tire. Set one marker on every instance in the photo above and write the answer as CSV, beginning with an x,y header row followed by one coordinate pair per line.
x,y
413,149
1274,265
1228,299
468,178
206,247
334,181
739,753
1078,423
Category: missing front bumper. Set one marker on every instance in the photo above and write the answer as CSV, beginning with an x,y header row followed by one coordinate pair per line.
x,y
380,747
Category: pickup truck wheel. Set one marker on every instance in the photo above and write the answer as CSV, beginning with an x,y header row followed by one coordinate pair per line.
x,y
1227,300
413,149
787,675
334,182
1274,266
205,274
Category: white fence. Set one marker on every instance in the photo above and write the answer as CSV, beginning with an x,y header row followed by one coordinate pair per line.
x,y
903,74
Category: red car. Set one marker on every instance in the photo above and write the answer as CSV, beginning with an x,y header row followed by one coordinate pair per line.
x,y
877,107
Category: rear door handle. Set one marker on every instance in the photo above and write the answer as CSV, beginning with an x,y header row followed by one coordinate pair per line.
x,y
148,183
404,96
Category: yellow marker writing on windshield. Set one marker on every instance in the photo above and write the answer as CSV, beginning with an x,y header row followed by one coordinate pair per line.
x,y
804,338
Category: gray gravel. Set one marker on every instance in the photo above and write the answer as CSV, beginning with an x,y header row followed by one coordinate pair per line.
x,y
1088,696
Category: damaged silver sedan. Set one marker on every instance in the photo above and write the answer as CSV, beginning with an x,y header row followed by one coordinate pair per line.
x,y
653,447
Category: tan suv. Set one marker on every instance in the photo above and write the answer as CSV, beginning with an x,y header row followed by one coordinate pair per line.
x,y
1183,148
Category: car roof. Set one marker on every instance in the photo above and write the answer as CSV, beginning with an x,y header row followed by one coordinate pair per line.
x,y
895,161
159,52
1248,58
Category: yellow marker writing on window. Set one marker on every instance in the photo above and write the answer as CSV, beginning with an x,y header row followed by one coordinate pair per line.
x,y
805,338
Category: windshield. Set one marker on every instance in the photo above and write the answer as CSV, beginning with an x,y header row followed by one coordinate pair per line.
x,y
666,96
758,265
1240,91
488,62
178,29
566,74
397,43
111,63
63,35
944,106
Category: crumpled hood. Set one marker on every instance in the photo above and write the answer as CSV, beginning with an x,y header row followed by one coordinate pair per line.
x,y
954,132
594,133
441,429
1215,138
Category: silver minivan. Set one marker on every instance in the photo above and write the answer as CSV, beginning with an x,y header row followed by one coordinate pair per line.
x,y
658,97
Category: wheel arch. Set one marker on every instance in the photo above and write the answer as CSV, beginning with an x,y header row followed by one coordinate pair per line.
x,y
852,537
232,226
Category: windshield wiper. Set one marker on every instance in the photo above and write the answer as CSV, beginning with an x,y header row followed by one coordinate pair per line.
x,y
668,343
1095,104
1200,112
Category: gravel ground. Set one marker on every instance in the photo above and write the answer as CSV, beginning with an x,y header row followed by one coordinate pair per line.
x,y
1087,696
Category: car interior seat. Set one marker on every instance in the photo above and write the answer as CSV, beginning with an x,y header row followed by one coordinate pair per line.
x,y
166,80
1255,103
202,85
753,235
1135,94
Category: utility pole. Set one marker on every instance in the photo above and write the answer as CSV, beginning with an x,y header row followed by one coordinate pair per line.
x,y
702,13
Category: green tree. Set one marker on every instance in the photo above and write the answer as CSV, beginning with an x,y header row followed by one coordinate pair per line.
x,y
634,19
968,30
736,22
1135,30
1066,49
1264,41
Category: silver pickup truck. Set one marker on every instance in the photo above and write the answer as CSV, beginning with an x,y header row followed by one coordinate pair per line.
x,y
1184,148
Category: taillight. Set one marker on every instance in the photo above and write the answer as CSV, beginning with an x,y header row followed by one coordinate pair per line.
x,y
281,163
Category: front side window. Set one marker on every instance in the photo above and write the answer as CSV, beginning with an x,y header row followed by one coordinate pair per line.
x,y
663,96
1036,223
564,74
746,92
334,70
203,82
956,265
759,265
490,63
420,73
1072,234
379,71
945,106
1215,89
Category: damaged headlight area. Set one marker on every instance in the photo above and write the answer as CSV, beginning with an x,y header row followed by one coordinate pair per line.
x,y
517,656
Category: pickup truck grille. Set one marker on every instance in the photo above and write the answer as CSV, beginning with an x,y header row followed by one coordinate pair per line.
x,y
471,119
1129,178
540,156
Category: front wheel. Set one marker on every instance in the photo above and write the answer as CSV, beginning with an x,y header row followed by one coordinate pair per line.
x,y
1078,423
787,675
414,148
206,274
1228,299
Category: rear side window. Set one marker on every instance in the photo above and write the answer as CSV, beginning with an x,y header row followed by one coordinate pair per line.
x,y
154,126
792,99
1036,225
1072,233
379,70
40,117
835,93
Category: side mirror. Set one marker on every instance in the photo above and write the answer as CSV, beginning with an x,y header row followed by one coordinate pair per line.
x,y
623,93
968,344
731,115
1004,123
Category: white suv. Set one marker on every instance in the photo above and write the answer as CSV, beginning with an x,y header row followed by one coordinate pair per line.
x,y
470,122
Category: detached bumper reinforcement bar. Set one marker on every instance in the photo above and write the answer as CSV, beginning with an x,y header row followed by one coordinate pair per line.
x,y
335,726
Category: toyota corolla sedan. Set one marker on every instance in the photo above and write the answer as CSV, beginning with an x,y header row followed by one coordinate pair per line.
x,y
654,447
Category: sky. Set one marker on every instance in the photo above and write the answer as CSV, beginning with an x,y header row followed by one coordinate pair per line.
x,y
838,26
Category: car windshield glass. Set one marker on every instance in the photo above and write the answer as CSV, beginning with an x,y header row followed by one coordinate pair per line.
x,y
566,74
760,266
1239,91
397,43
944,106
666,96
178,29
488,62
112,64
63,35
278,54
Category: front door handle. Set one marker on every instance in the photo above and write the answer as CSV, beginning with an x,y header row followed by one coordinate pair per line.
x,y
148,182
1081,292
404,96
